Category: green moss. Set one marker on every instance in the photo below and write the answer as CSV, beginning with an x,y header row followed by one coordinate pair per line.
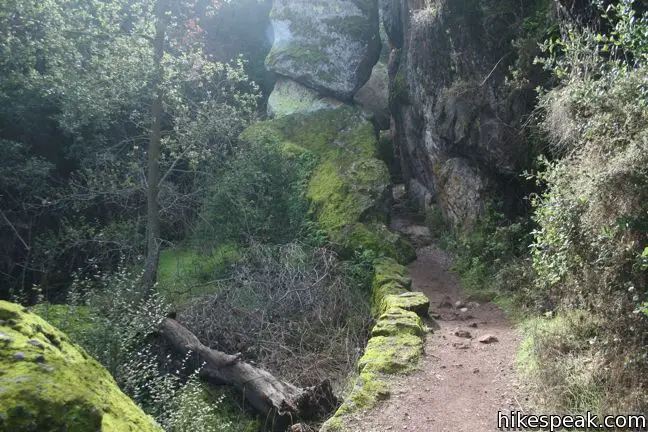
x,y
392,354
379,292
388,270
376,237
357,27
334,424
390,278
387,267
397,321
415,302
399,93
368,390
49,383
185,272
396,342
349,187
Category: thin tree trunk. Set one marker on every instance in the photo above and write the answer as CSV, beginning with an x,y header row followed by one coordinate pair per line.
x,y
282,404
157,111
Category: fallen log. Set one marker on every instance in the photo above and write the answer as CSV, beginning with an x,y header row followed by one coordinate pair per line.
x,y
281,403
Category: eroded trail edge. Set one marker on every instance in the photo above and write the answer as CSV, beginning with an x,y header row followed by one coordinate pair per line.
x,y
463,381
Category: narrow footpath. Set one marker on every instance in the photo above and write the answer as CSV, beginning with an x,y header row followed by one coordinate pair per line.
x,y
466,372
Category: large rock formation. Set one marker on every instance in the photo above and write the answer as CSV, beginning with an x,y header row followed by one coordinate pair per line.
x,y
327,45
349,189
455,121
47,383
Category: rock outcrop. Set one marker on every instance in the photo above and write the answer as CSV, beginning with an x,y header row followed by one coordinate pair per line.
x,y
456,122
49,383
349,189
327,45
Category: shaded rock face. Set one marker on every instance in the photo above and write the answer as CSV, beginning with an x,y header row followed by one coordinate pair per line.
x,y
374,95
47,383
456,123
328,45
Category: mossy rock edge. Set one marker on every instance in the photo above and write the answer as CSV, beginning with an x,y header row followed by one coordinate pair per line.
x,y
396,343
49,383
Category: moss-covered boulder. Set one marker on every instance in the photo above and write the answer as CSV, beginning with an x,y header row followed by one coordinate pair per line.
x,y
415,302
392,354
289,97
396,321
49,383
328,45
349,188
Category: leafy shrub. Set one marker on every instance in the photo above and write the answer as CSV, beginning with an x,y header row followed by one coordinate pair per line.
x,y
592,217
108,317
489,257
259,196
561,370
185,272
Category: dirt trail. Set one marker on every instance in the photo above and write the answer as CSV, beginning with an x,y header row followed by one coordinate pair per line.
x,y
463,382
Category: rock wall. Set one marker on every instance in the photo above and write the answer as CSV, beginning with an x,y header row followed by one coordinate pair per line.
x,y
455,121
395,346
327,45
326,54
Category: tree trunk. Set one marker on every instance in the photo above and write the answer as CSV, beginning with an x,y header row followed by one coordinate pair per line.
x,y
155,140
280,403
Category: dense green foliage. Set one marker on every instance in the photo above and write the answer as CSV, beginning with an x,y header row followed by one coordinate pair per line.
x,y
76,93
107,316
260,194
592,218
586,265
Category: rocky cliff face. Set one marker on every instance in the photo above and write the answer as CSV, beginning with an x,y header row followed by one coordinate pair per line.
x,y
455,121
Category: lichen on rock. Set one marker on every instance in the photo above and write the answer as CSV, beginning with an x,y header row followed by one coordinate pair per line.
x,y
289,97
49,383
396,321
395,346
328,45
392,354
349,189
415,302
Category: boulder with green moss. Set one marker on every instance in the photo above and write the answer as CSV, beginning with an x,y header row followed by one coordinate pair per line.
x,y
349,188
415,302
49,383
289,97
396,321
327,45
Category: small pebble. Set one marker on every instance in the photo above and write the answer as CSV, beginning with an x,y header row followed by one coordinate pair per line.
x,y
488,339
19,356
